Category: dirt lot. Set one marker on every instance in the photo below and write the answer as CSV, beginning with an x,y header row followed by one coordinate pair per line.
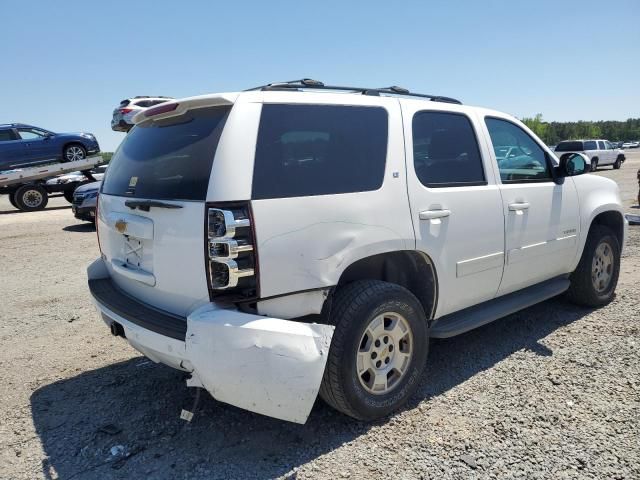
x,y
551,392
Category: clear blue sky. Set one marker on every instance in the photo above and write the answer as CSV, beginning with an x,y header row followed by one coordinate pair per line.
x,y
67,64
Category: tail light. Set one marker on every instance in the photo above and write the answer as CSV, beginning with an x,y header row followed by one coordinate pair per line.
x,y
162,108
97,221
126,110
231,255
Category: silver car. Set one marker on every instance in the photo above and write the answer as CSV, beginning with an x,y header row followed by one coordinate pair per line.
x,y
85,199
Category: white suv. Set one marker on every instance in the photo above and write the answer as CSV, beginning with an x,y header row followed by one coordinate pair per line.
x,y
122,119
599,152
299,239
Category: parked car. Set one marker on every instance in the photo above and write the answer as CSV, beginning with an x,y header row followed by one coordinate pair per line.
x,y
84,201
330,239
97,173
631,145
600,152
25,145
123,113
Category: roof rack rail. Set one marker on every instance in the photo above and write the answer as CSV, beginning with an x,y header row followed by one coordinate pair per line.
x,y
310,84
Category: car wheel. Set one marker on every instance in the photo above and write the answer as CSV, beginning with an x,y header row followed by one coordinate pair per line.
x,y
617,164
594,164
594,282
378,351
30,198
12,199
74,152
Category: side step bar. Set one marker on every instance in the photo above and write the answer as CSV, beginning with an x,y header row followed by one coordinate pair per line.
x,y
478,315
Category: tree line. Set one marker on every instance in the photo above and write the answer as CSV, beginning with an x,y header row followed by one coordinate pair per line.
x,y
553,132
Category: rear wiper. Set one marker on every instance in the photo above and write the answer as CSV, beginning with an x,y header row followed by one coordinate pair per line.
x,y
145,205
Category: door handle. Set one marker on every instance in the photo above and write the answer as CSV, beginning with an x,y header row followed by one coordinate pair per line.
x,y
431,214
515,207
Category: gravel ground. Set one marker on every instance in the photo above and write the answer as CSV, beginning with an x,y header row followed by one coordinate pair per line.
x,y
550,392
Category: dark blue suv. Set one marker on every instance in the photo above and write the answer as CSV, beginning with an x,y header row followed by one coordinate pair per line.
x,y
24,145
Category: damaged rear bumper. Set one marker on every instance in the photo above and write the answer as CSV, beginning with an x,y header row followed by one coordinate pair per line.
x,y
266,365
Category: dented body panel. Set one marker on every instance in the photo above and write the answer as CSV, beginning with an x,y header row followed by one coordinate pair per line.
x,y
266,365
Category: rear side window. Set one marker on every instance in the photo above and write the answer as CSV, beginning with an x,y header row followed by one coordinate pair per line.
x,y
445,150
590,145
6,135
569,147
306,150
167,159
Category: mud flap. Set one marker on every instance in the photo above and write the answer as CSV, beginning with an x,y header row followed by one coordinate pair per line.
x,y
266,365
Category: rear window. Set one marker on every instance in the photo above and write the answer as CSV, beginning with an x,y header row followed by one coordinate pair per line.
x,y
569,147
306,150
167,159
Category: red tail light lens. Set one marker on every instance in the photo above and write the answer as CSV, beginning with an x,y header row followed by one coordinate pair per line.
x,y
125,110
162,108
230,253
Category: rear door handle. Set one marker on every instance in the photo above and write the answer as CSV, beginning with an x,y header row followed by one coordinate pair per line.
x,y
431,214
516,207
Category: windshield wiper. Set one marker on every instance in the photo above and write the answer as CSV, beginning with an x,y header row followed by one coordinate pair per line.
x,y
145,205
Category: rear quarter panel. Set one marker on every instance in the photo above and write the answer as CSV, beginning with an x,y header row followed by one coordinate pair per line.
x,y
307,242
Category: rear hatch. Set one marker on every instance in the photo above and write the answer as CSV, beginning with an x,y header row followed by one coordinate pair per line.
x,y
569,146
151,211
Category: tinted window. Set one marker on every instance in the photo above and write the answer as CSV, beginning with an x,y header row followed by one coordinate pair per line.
x,y
445,150
6,135
590,145
525,161
569,147
601,146
167,159
305,150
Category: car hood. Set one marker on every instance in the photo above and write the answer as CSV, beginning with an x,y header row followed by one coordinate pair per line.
x,y
88,187
75,135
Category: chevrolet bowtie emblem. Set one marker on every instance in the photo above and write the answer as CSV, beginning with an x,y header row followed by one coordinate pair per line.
x,y
121,226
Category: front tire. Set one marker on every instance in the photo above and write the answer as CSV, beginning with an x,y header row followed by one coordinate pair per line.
x,y
594,164
74,152
30,198
378,351
593,283
617,164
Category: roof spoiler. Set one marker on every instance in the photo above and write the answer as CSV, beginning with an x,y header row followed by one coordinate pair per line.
x,y
185,104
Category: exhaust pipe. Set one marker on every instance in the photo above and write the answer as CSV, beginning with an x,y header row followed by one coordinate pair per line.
x,y
117,330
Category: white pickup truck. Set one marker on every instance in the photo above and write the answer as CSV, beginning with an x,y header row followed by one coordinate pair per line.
x,y
599,152
299,239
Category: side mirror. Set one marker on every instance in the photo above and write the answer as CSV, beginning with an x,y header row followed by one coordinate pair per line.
x,y
572,164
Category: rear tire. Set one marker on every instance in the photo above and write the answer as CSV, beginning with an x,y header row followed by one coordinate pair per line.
x,y
593,282
594,164
30,198
74,152
378,351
